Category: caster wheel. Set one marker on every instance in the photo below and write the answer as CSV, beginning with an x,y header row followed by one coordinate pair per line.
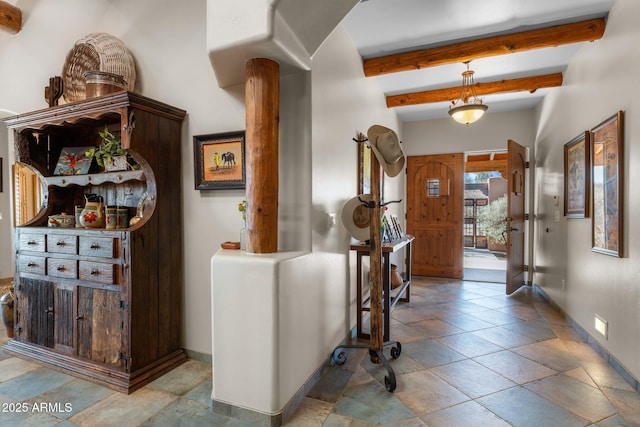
x,y
396,351
390,385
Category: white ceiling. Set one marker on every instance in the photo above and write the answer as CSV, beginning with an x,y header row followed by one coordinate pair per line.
x,y
383,27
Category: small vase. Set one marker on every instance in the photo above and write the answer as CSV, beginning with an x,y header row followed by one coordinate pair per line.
x,y
243,238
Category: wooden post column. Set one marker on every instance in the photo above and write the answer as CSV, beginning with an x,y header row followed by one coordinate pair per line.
x,y
375,254
262,95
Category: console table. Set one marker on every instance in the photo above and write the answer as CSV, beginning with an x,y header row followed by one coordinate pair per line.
x,y
401,293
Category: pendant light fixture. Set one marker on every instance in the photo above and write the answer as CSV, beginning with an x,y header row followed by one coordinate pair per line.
x,y
468,108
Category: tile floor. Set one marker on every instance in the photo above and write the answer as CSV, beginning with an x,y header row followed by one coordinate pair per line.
x,y
471,356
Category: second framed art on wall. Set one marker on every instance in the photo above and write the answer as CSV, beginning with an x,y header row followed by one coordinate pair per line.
x,y
577,174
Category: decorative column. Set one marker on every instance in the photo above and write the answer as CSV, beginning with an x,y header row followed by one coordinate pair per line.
x,y
262,97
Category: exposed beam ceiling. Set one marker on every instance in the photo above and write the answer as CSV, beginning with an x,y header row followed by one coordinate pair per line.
x,y
528,84
590,30
10,17
415,49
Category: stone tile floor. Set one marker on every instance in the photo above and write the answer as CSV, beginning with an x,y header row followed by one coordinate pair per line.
x,y
471,356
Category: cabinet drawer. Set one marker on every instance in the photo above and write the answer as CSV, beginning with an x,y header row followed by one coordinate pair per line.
x,y
97,246
58,267
31,264
62,244
101,272
32,242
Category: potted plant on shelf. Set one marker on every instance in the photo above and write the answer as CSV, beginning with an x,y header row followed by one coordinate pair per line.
x,y
109,154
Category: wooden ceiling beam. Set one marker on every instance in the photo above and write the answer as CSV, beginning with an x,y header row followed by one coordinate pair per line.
x,y
528,84
589,30
10,17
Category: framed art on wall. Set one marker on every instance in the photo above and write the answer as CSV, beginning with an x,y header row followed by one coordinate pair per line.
x,y
577,172
219,161
607,177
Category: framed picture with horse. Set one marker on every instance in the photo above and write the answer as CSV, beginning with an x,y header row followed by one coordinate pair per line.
x,y
219,161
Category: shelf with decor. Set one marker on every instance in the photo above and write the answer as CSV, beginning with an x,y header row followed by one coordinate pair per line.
x,y
101,303
391,294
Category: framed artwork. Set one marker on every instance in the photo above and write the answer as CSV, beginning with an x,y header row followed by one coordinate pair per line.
x,y
73,161
577,173
607,178
219,161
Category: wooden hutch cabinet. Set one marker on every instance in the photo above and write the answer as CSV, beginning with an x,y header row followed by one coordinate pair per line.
x,y
102,304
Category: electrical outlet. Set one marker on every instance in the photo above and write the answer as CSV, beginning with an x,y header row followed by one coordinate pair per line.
x,y
602,326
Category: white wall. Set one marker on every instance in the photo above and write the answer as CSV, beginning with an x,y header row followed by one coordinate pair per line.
x,y
6,265
601,80
490,133
343,103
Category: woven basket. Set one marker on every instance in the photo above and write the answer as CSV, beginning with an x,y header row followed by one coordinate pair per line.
x,y
96,52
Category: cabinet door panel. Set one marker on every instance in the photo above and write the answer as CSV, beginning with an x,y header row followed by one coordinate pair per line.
x,y
99,325
35,311
64,321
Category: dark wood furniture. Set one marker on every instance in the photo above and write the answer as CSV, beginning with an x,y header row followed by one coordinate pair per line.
x,y
396,294
102,304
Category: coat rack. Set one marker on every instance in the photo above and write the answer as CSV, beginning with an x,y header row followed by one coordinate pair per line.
x,y
376,342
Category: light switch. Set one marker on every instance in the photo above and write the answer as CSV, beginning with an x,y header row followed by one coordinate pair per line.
x,y
332,219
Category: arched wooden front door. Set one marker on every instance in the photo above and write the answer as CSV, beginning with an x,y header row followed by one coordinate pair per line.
x,y
435,199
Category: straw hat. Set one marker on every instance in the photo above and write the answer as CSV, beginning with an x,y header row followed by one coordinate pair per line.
x,y
356,217
385,144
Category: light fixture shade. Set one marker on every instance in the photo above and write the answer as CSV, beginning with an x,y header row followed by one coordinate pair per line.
x,y
468,108
468,113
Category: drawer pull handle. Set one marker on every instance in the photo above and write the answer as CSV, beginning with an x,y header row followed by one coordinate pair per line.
x,y
95,272
61,268
31,264
95,246
61,243
32,242
49,310
79,317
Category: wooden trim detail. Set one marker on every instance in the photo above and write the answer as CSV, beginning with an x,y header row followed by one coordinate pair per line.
x,y
10,17
529,84
589,30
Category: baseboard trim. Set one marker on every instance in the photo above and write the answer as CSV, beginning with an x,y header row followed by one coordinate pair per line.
x,y
199,357
593,343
